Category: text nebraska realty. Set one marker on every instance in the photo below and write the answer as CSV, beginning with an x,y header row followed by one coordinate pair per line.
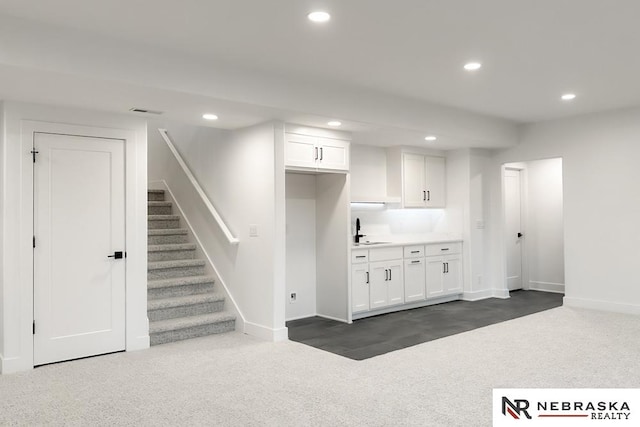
x,y
598,410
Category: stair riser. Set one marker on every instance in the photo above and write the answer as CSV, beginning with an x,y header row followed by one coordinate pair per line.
x,y
167,239
171,255
171,273
180,291
155,197
193,332
163,224
183,311
159,210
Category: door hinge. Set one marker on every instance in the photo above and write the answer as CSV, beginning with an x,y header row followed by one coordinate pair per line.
x,y
33,153
34,241
34,327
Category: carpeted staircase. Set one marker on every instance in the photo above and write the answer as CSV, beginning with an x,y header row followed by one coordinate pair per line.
x,y
181,299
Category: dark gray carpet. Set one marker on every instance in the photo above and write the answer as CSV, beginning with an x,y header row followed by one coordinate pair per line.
x,y
377,335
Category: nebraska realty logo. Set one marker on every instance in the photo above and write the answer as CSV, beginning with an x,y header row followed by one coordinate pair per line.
x,y
566,407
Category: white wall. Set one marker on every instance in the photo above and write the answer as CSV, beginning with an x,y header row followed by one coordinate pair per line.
x,y
2,208
236,171
600,155
544,234
301,245
17,289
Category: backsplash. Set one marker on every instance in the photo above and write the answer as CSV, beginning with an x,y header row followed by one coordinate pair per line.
x,y
378,220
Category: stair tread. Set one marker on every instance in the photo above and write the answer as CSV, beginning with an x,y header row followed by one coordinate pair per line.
x,y
189,321
171,247
158,203
166,231
158,304
163,217
155,191
160,265
179,281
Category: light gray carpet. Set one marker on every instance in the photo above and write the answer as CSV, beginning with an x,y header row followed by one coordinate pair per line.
x,y
235,380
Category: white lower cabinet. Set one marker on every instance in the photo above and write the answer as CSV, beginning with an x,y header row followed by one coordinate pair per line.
x,y
443,275
359,288
386,285
400,275
414,279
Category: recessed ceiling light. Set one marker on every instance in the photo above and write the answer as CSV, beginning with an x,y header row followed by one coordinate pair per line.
x,y
334,123
568,96
319,16
430,138
210,117
472,66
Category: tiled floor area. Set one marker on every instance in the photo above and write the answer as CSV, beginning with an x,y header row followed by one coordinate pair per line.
x,y
377,335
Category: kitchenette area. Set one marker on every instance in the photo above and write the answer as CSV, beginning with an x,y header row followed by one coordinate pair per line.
x,y
369,229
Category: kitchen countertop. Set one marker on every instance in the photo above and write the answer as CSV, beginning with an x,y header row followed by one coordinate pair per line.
x,y
407,240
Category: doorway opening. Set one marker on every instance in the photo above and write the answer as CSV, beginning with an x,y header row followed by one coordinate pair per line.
x,y
533,225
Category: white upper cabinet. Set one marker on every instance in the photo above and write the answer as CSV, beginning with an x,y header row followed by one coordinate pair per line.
x,y
419,179
316,153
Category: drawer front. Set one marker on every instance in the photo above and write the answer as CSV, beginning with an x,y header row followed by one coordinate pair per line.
x,y
443,249
359,256
384,254
413,251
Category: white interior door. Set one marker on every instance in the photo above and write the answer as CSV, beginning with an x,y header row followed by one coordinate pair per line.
x,y
79,220
513,218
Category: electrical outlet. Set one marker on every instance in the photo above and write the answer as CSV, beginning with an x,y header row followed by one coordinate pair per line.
x,y
253,230
479,279
292,297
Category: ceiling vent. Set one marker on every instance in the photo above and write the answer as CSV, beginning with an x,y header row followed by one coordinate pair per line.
x,y
145,111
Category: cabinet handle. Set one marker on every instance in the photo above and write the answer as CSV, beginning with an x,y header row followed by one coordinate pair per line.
x,y
386,275
361,256
428,196
321,153
444,249
415,262
444,267
389,274
415,252
447,264
316,153
424,196
367,277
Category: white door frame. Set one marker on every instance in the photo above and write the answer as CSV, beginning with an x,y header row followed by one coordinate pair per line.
x,y
503,291
136,329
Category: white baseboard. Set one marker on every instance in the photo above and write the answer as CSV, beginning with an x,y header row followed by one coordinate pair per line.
x,y
266,333
500,293
477,295
304,316
332,318
546,286
139,343
11,365
615,307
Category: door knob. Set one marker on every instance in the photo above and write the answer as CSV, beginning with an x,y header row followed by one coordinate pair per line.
x,y
117,255
520,235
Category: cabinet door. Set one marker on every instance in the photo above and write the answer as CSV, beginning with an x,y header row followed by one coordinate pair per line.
x,y
395,284
360,288
434,276
333,154
378,279
300,151
413,176
414,279
453,276
435,181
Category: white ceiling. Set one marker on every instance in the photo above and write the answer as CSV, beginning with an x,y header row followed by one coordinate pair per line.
x,y
377,64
